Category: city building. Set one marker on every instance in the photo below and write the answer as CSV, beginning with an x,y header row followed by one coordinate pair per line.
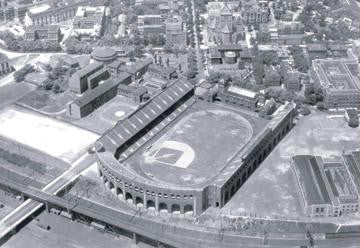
x,y
325,186
240,97
46,33
137,69
55,14
129,171
104,55
5,66
272,76
175,31
351,117
96,97
224,27
115,67
68,61
228,54
255,13
80,80
339,81
290,77
161,72
136,93
89,22
151,25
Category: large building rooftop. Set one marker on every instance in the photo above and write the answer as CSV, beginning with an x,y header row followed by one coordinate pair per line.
x,y
340,74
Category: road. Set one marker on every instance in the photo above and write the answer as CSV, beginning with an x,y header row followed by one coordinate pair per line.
x,y
170,233
200,66
29,207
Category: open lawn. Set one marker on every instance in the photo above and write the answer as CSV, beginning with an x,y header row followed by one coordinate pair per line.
x,y
10,93
270,191
45,101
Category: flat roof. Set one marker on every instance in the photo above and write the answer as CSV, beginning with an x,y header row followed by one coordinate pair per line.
x,y
311,180
241,91
337,74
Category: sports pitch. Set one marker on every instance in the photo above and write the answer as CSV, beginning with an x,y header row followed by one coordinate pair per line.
x,y
195,147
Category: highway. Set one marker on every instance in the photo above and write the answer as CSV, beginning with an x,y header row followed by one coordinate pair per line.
x,y
165,232
29,207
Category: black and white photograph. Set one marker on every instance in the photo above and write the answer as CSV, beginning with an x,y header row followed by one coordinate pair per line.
x,y
179,123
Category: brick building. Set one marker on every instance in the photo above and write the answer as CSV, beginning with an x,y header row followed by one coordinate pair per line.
x,y
175,31
79,81
47,33
339,81
89,22
326,187
237,96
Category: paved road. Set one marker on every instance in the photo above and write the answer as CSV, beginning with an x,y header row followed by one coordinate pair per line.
x,y
170,233
29,207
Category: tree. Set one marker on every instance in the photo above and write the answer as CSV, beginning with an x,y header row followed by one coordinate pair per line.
x,y
56,88
20,74
320,105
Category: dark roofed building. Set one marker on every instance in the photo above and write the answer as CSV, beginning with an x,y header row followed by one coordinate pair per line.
x,y
115,66
138,69
79,80
166,73
137,93
95,98
352,118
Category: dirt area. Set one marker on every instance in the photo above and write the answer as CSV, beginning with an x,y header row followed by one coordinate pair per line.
x,y
180,155
64,233
10,93
53,137
107,115
271,191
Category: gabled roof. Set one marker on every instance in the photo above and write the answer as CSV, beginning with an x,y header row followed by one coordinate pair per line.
x,y
225,10
227,29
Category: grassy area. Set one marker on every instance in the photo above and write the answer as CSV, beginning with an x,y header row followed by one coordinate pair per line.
x,y
46,100
10,93
271,191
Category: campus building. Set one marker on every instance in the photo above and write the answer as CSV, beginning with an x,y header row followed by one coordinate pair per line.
x,y
46,33
80,81
228,54
55,15
175,31
133,165
254,13
166,73
137,69
339,81
326,187
89,22
96,97
290,77
240,97
5,66
136,93
224,27
150,25
104,55
272,76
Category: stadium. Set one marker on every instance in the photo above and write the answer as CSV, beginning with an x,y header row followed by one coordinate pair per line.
x,y
181,155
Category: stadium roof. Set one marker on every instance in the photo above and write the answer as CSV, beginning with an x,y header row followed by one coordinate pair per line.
x,y
126,129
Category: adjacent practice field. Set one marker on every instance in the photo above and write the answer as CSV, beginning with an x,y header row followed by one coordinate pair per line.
x,y
194,148
53,137
270,191
107,115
